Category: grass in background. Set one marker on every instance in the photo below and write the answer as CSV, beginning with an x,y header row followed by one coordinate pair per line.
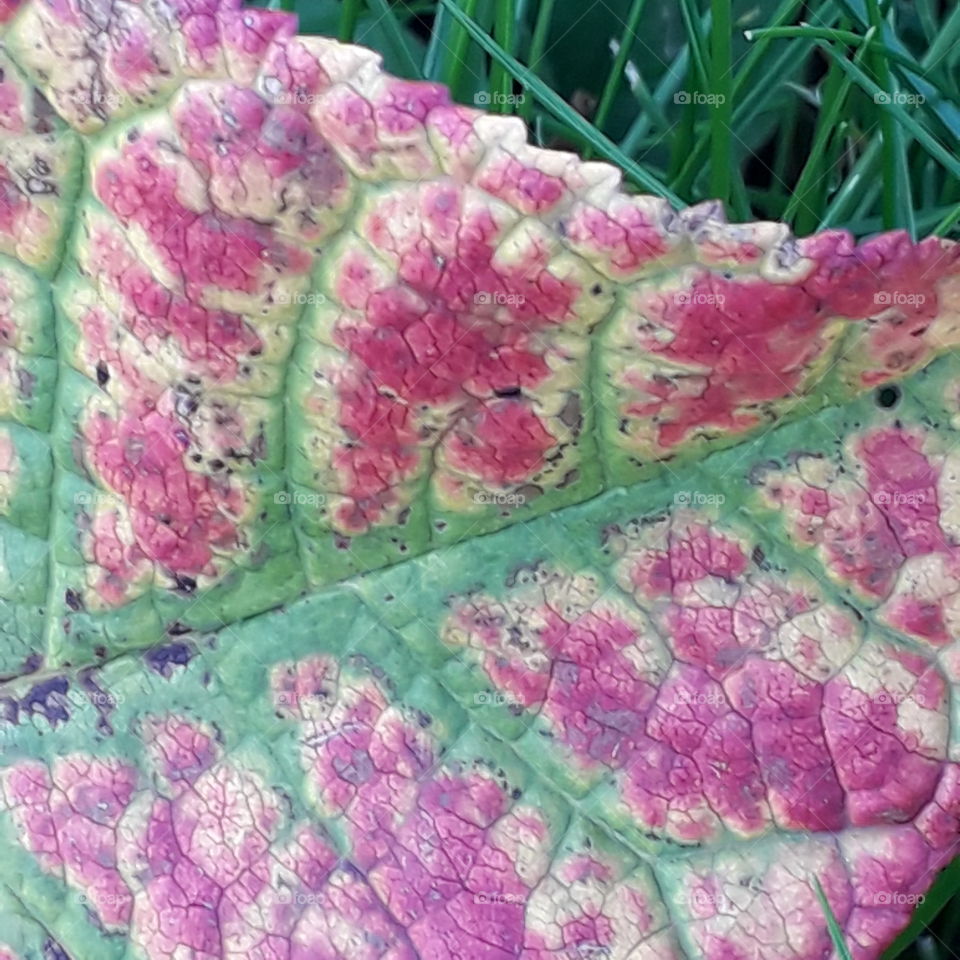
x,y
824,113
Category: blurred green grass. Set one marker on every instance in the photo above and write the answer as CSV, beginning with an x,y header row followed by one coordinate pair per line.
x,y
841,113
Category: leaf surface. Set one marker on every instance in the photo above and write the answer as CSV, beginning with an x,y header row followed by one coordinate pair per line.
x,y
414,546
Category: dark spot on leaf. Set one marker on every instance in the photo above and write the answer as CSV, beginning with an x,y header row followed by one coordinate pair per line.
x,y
887,397
163,659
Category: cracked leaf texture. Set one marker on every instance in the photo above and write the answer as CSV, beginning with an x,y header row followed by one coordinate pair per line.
x,y
415,547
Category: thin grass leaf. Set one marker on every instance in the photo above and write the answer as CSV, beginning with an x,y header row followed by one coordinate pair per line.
x,y
947,886
458,53
538,44
439,41
501,83
615,75
785,148
683,139
647,101
928,19
806,31
349,14
721,87
400,39
666,90
920,133
561,109
929,187
843,200
892,172
750,94
662,95
948,222
826,126
920,76
926,220
698,51
947,41
815,203
836,934
904,212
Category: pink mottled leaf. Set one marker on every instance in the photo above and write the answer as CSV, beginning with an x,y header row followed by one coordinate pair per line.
x,y
415,547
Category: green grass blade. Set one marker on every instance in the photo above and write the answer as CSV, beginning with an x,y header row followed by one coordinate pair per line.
x,y
920,133
458,52
538,44
501,83
919,75
682,141
840,36
843,200
721,87
698,52
561,109
904,215
804,30
612,84
891,169
927,221
948,222
946,886
928,19
439,41
751,93
400,39
662,95
826,126
836,934
947,40
784,12
349,14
